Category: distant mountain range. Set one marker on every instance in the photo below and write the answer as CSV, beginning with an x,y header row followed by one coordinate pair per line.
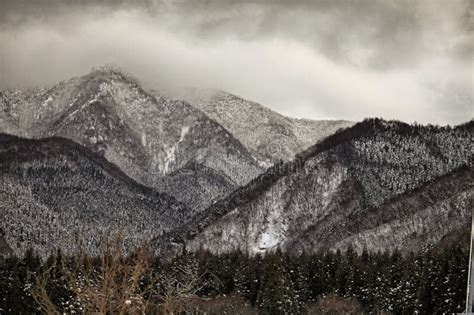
x,y
269,136
149,135
379,185
208,169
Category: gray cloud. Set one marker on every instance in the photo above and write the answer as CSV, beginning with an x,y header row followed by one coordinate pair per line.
x,y
404,59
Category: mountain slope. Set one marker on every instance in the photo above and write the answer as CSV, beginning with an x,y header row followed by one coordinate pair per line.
x,y
268,136
53,191
197,185
410,221
147,136
345,176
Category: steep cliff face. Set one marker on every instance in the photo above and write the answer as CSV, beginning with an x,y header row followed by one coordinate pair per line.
x,y
147,136
268,136
345,189
54,192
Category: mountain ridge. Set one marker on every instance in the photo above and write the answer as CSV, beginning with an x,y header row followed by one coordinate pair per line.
x,y
373,134
269,135
56,192
146,136
224,173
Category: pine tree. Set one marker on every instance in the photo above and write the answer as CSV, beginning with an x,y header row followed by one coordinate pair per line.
x,y
302,276
11,287
409,283
246,277
276,294
316,276
57,285
424,296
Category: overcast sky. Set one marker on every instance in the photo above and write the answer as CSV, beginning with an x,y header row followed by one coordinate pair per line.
x,y
408,60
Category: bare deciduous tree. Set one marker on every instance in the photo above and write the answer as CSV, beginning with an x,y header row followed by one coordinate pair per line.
x,y
116,283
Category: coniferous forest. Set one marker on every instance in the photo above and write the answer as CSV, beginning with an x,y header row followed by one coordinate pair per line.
x,y
433,282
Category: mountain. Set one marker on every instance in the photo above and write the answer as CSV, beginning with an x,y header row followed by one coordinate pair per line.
x,y
267,135
54,192
109,155
409,222
147,136
151,135
197,185
379,184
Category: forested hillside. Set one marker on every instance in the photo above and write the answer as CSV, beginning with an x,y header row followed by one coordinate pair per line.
x,y
375,169
57,194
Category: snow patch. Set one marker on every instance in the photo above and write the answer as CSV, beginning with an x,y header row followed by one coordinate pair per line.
x,y
46,102
264,164
270,239
144,142
170,155
92,101
184,132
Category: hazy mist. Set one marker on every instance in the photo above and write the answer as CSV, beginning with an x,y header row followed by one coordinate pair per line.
x,y
408,60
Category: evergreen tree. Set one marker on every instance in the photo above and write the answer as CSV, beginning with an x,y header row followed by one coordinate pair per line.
x,y
316,276
424,294
246,277
57,286
11,288
410,280
277,283
276,293
301,267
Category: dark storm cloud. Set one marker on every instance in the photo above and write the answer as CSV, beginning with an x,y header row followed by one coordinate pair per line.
x,y
403,59
380,33
332,27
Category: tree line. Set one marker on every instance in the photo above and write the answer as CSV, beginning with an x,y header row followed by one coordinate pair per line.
x,y
433,282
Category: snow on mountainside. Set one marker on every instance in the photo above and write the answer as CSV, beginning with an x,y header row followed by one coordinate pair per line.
x,y
147,136
376,184
53,193
420,218
312,202
196,182
269,136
